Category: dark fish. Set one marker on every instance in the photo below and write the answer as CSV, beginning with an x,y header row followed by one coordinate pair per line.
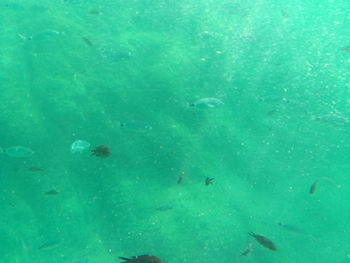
x,y
313,187
49,244
87,41
208,181
264,241
141,259
114,54
101,151
52,192
181,177
164,208
35,169
315,184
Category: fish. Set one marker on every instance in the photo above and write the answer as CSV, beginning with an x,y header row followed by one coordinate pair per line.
x,y
248,249
141,259
101,151
23,37
52,192
36,169
207,103
208,181
332,118
291,228
271,112
315,184
264,241
87,41
50,244
94,12
164,208
179,180
313,187
114,54
136,125
346,49
272,99
42,35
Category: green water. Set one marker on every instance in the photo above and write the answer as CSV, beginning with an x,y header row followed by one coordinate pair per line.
x,y
75,70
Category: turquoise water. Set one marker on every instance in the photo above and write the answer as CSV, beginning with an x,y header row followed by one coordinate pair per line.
x,y
274,120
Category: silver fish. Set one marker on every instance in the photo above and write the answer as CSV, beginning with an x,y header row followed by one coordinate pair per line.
x,y
333,118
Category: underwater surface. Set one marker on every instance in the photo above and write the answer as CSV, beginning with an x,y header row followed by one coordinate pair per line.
x,y
195,131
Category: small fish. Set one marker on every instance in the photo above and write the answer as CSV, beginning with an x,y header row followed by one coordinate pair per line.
x,y
315,184
101,151
313,187
87,41
273,99
49,245
181,177
52,192
136,125
114,55
346,49
207,103
208,181
94,12
23,37
36,169
247,250
271,112
141,259
42,35
333,118
264,241
291,228
164,208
